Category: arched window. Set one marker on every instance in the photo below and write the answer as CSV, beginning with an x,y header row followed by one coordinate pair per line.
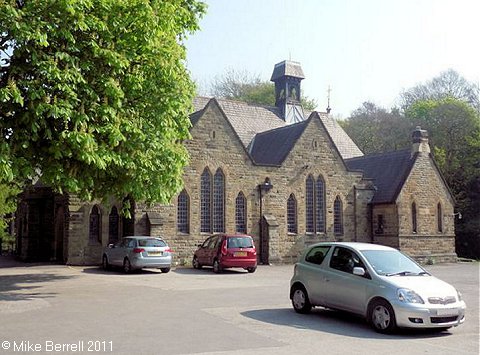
x,y
292,214
338,216
205,202
439,218
241,213
309,205
94,235
414,217
113,221
315,216
320,200
219,202
183,212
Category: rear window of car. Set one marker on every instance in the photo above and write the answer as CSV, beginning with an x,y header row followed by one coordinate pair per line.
x,y
239,242
151,243
317,254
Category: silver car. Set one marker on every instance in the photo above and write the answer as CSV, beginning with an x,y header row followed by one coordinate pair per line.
x,y
377,282
138,252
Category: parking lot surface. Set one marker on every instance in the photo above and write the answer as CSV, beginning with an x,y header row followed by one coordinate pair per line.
x,y
47,309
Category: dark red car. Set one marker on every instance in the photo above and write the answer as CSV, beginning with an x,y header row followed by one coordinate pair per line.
x,y
226,251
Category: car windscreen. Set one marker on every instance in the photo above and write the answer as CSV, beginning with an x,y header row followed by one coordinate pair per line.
x,y
239,242
392,262
151,243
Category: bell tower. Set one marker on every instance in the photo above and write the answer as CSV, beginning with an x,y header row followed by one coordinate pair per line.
x,y
287,76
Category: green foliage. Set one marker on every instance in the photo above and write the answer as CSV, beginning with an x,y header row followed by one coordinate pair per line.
x,y
376,130
8,204
94,95
454,127
447,84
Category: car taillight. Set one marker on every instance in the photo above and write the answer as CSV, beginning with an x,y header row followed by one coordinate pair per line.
x,y
138,250
224,248
168,250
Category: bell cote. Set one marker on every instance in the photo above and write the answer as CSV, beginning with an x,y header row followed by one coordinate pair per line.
x,y
287,76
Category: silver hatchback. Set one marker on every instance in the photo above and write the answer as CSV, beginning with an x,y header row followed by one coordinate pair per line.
x,y
377,282
138,252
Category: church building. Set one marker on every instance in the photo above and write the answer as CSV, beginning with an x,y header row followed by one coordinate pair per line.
x,y
286,176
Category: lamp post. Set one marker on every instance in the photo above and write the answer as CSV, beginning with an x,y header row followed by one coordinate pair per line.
x,y
265,187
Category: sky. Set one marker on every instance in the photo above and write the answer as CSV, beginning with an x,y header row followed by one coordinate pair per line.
x,y
364,50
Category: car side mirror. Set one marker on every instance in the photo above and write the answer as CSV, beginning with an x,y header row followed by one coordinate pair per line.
x,y
359,271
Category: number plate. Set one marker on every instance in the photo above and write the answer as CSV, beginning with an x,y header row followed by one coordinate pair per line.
x,y
240,253
447,312
155,253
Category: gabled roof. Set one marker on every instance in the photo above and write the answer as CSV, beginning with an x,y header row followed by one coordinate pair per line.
x,y
272,147
389,172
248,120
346,147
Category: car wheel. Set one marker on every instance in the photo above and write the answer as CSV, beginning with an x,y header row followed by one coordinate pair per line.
x,y
216,267
251,269
165,269
195,263
382,316
300,301
127,267
105,264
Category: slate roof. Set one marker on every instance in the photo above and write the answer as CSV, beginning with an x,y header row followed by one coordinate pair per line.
x,y
287,68
248,120
389,172
346,147
272,147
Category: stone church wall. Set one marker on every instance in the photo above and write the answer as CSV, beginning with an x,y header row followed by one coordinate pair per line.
x,y
425,188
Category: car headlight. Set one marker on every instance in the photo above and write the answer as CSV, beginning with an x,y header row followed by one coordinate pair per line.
x,y
408,296
460,297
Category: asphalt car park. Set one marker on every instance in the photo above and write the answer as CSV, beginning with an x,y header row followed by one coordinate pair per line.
x,y
189,311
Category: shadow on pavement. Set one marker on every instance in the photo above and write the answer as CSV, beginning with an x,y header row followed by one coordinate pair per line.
x,y
208,271
98,270
335,322
9,261
21,287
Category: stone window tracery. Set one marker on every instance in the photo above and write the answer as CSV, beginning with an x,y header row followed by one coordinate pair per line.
x,y
183,212
315,205
414,217
241,213
292,226
205,202
338,216
219,202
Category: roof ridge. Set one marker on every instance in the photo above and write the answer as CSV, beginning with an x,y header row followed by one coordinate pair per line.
x,y
286,127
380,154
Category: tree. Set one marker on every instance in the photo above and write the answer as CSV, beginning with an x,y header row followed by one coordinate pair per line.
x,y
242,86
454,128
94,95
447,84
376,130
8,205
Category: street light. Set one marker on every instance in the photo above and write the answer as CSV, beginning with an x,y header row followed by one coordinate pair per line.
x,y
265,186
459,214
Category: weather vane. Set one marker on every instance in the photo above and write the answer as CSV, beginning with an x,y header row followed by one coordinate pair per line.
x,y
328,98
